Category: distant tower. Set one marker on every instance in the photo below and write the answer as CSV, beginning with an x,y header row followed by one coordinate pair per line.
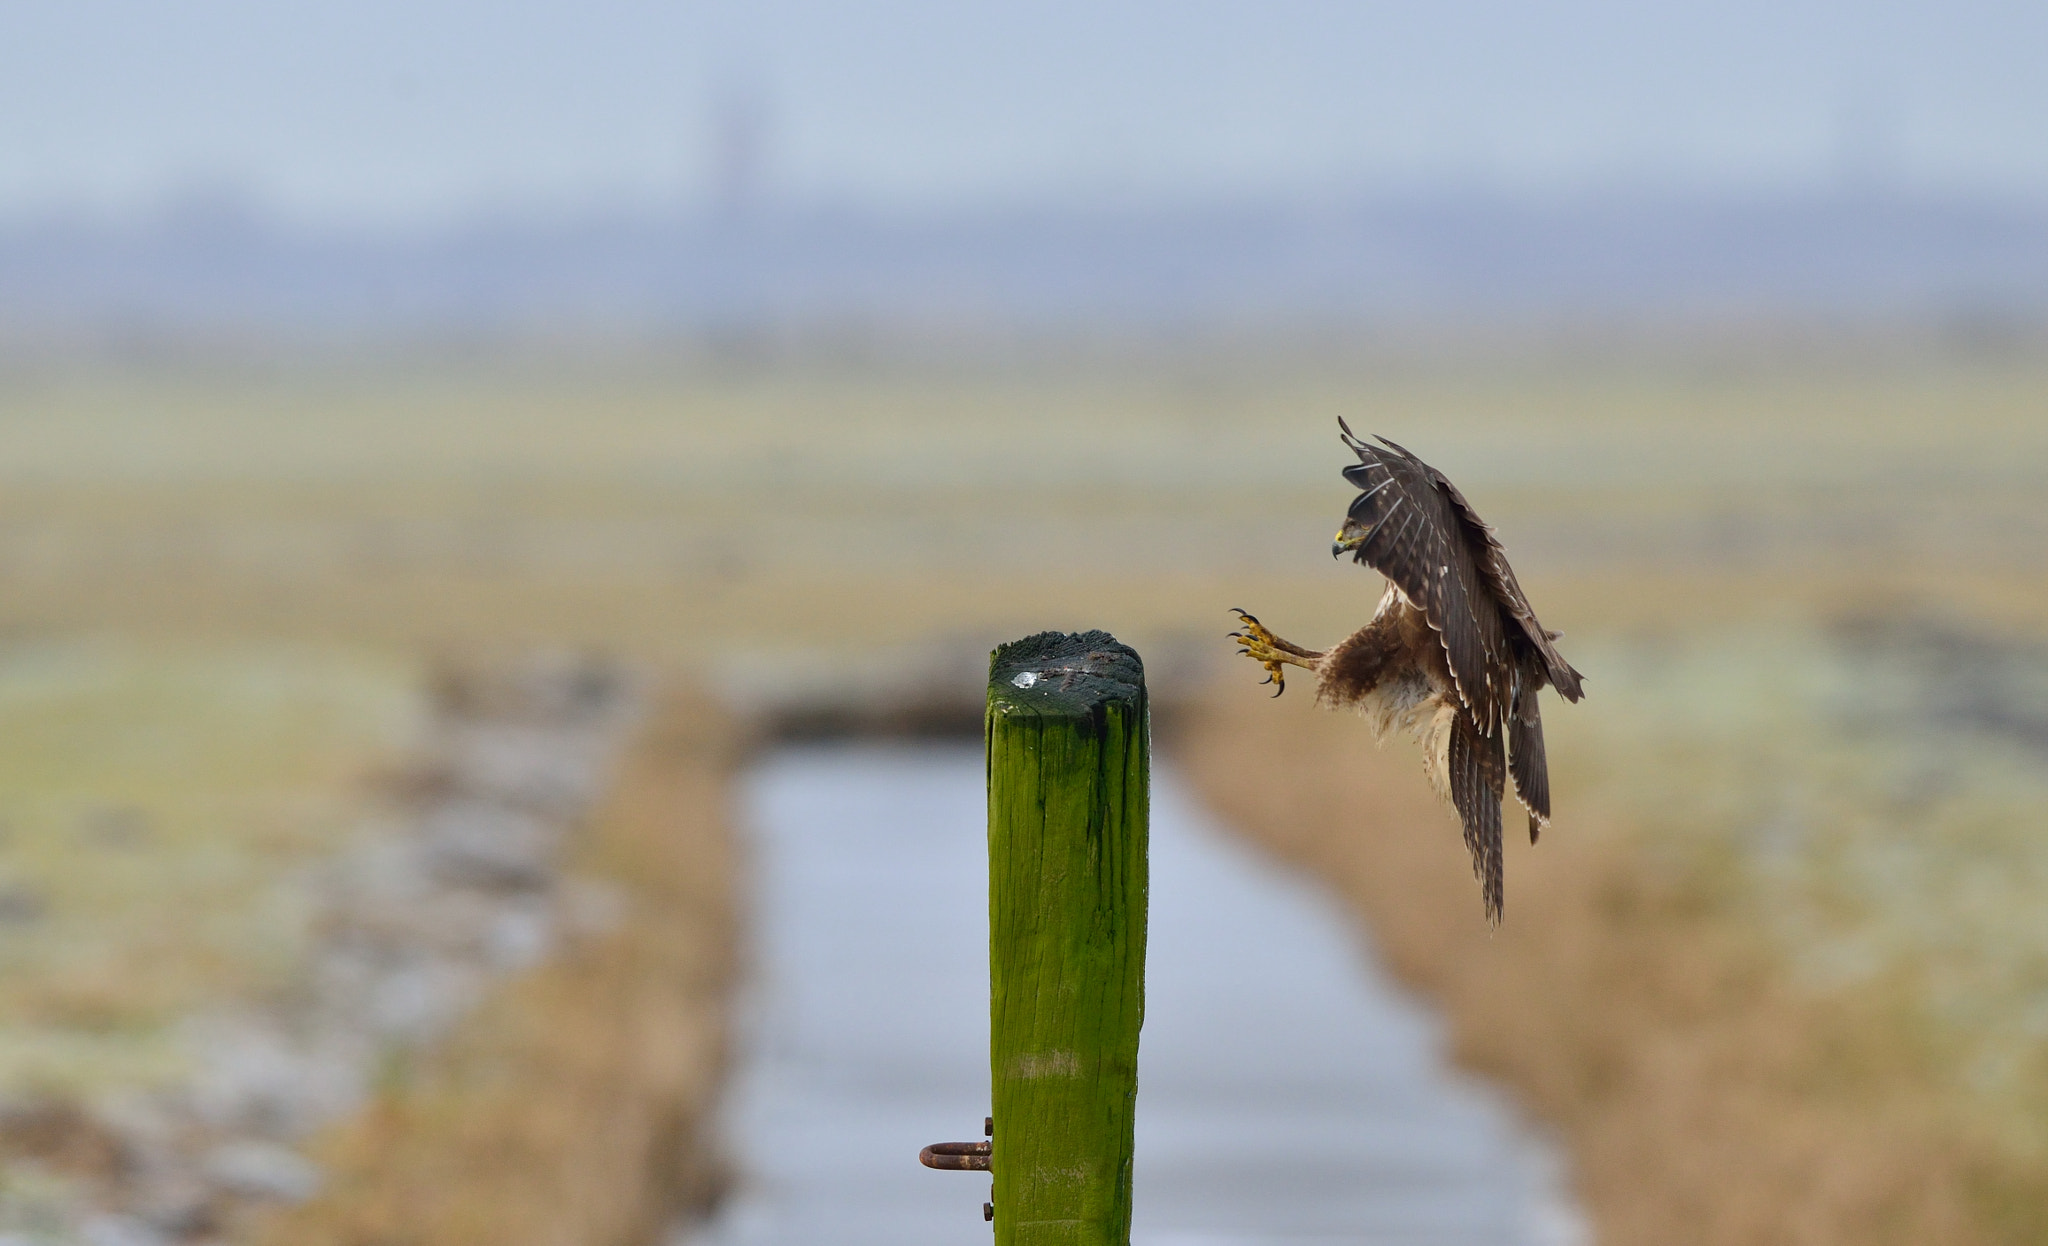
x,y
739,154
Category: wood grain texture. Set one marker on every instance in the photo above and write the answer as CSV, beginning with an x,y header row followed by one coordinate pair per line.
x,y
1069,799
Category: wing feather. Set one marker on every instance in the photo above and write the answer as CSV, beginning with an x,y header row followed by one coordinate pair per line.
x,y
1500,577
1418,543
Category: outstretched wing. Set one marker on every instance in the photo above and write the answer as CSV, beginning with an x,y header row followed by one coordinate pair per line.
x,y
1419,542
1500,577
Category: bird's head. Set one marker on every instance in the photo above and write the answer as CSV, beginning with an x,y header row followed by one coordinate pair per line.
x,y
1358,525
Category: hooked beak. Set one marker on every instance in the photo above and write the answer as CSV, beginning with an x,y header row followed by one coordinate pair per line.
x,y
1345,544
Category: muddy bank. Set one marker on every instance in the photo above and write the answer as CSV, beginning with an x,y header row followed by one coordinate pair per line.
x,y
573,1103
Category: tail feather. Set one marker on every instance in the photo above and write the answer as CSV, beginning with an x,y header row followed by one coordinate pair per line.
x,y
1527,765
1477,777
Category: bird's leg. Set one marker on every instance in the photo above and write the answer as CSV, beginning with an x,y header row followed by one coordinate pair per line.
x,y
1257,631
1271,652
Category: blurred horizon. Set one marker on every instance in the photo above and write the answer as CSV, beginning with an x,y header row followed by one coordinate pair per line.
x,y
1431,264
242,171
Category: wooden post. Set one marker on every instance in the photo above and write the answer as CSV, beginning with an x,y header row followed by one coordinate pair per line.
x,y
1068,807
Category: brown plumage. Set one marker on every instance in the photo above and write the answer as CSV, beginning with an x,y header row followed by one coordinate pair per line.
x,y
1454,653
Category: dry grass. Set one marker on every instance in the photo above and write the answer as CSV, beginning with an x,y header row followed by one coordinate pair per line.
x,y
573,1109
1707,1092
643,507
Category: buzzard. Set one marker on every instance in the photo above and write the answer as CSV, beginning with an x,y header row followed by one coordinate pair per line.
x,y
1454,653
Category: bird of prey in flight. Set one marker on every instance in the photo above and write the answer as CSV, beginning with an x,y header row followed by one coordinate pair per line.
x,y
1454,653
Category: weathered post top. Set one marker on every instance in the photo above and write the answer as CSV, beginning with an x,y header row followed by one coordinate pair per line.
x,y
1077,674
1068,806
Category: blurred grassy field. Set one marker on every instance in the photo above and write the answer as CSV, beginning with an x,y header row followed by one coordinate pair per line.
x,y
660,508
1771,565
161,809
158,804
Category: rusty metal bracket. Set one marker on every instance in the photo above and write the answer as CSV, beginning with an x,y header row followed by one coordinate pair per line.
x,y
961,1156
956,1156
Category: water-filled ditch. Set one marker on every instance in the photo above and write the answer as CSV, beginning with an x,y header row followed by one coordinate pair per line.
x,y
1288,1092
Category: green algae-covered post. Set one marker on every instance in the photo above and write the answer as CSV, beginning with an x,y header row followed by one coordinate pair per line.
x,y
1068,808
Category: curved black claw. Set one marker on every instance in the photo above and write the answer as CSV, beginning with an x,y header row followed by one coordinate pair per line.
x,y
1254,636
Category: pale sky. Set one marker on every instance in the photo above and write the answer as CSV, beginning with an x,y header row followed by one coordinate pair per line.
x,y
426,110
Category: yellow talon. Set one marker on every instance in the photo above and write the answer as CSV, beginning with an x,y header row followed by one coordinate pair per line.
x,y
1258,646
1254,630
